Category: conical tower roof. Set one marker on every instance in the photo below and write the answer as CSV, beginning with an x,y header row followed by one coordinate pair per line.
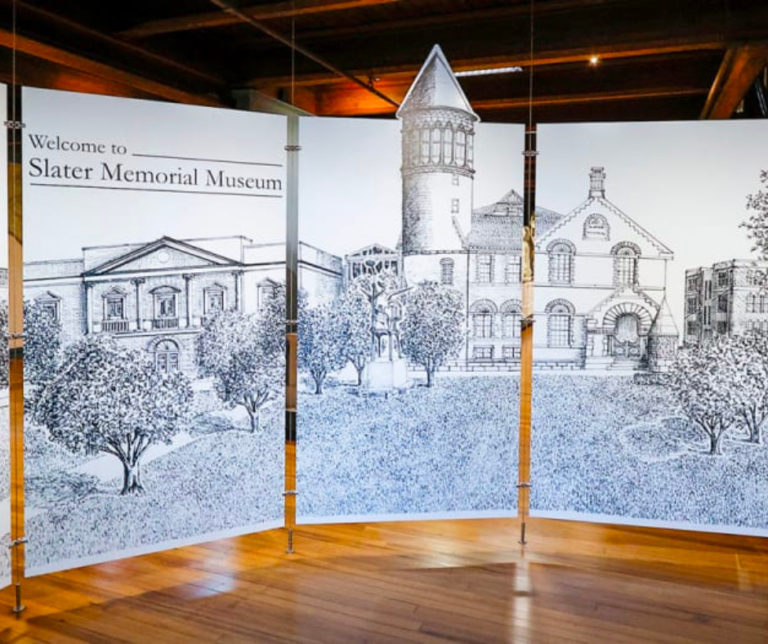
x,y
664,324
436,86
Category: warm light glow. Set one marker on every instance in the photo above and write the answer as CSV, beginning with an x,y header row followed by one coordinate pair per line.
x,y
489,71
594,60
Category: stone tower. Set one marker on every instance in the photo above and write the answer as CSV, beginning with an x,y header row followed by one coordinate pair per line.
x,y
438,156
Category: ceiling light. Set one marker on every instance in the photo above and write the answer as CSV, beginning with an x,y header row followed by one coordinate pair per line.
x,y
489,71
593,60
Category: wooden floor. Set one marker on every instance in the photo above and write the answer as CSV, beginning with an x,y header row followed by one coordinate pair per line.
x,y
443,581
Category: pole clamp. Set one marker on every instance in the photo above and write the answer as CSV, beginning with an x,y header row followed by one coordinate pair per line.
x,y
14,125
525,485
17,542
293,148
290,493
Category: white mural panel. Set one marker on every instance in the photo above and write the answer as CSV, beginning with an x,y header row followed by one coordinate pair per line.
x,y
409,323
154,271
651,334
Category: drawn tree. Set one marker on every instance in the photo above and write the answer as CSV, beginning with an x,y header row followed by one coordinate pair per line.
x,y
702,379
105,398
750,382
321,342
757,224
356,330
4,337
432,331
245,355
42,344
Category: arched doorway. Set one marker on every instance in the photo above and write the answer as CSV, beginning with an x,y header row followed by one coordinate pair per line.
x,y
167,356
626,337
626,326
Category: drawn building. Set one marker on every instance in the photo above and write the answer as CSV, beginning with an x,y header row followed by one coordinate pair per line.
x,y
155,296
727,298
600,275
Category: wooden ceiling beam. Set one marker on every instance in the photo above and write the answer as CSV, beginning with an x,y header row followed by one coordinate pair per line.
x,y
43,51
30,12
357,103
741,65
541,58
442,20
292,8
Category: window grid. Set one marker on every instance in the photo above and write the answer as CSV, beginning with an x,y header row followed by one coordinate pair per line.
x,y
482,324
484,269
561,265
511,325
560,330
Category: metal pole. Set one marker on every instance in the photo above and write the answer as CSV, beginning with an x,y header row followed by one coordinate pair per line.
x,y
526,340
292,301
16,343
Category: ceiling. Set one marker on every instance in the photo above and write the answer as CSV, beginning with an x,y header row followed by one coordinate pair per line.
x,y
656,59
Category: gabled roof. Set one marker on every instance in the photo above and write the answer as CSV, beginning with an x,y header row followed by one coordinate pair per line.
x,y
436,86
545,236
499,226
163,242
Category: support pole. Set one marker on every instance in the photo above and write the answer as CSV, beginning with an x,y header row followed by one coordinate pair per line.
x,y
291,296
16,343
526,340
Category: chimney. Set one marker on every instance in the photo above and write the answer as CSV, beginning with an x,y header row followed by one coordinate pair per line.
x,y
597,182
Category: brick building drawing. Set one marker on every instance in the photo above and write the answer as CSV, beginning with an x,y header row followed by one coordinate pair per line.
x,y
725,299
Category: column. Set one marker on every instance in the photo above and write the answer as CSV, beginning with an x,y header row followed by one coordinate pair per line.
x,y
137,282
238,275
188,295
89,308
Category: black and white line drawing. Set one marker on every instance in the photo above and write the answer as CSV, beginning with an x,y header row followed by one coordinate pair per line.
x,y
669,431
154,347
399,342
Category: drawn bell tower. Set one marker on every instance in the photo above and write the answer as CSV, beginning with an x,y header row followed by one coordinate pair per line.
x,y
438,157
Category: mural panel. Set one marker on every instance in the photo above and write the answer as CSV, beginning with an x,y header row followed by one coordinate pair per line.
x,y
154,318
651,334
409,325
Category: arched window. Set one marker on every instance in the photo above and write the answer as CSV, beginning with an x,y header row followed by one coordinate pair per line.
x,y
596,227
625,256
560,323
167,356
470,150
461,147
510,319
446,271
425,146
561,254
482,319
415,146
436,145
448,146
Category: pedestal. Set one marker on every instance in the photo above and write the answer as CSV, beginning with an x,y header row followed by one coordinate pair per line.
x,y
385,375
